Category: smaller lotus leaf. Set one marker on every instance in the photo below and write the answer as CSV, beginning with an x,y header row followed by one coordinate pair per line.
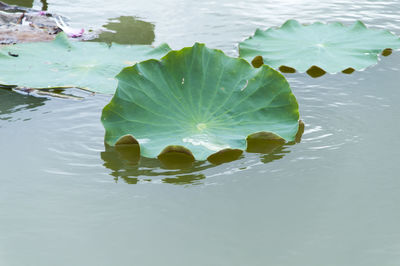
x,y
200,99
331,47
69,63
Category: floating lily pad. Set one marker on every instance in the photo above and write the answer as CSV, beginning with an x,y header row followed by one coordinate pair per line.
x,y
331,47
198,101
67,63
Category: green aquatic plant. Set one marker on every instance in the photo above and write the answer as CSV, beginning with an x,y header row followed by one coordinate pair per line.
x,y
199,103
68,63
318,47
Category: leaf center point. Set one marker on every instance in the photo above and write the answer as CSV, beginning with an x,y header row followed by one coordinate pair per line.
x,y
201,126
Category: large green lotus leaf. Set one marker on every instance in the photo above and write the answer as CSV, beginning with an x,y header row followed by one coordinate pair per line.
x,y
201,99
332,47
69,63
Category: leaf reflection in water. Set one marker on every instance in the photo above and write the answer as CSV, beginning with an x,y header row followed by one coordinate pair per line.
x,y
125,163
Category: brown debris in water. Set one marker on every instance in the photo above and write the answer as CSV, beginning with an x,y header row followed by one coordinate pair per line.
x,y
21,24
26,27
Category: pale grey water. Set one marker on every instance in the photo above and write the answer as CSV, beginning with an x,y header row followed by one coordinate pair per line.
x,y
333,199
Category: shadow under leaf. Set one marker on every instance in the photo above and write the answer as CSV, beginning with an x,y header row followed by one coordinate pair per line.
x,y
176,164
185,179
11,102
276,154
128,165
